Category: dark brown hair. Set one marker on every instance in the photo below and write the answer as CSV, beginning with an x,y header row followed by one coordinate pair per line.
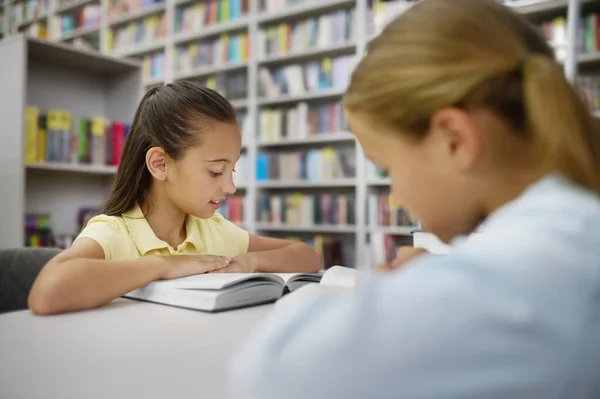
x,y
170,117
477,54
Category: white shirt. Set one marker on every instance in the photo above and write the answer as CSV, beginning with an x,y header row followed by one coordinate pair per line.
x,y
513,313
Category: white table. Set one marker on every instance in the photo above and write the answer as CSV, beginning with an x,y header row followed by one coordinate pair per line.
x,y
127,349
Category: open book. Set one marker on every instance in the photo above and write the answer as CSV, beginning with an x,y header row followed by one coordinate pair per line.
x,y
218,292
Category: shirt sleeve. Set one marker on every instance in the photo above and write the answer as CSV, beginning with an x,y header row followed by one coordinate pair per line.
x,y
234,236
430,331
106,231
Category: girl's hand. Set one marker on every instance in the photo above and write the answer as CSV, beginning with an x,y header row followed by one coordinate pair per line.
x,y
187,265
403,255
244,263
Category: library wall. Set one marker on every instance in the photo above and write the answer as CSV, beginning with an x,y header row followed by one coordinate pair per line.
x,y
283,64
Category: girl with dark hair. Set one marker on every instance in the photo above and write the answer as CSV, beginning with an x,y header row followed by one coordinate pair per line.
x,y
176,168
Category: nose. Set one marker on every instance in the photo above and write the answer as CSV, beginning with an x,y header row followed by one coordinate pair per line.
x,y
229,187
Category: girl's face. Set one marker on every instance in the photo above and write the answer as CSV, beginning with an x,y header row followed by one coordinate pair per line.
x,y
431,178
199,182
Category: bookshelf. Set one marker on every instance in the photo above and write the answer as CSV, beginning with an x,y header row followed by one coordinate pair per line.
x,y
55,76
174,29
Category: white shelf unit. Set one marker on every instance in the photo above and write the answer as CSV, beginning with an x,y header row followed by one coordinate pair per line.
x,y
51,75
362,185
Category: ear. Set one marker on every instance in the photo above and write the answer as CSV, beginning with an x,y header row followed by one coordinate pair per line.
x,y
456,136
156,163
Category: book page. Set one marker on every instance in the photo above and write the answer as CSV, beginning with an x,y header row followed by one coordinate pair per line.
x,y
216,281
341,276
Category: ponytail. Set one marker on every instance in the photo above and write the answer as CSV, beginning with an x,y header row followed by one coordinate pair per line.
x,y
562,128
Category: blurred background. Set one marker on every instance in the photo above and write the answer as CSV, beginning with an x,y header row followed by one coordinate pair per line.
x,y
73,71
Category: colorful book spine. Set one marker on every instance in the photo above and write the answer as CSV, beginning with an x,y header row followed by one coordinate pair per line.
x,y
314,165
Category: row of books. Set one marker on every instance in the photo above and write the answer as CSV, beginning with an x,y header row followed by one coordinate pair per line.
x,y
153,66
314,76
382,12
118,8
38,231
136,33
306,210
326,30
198,15
52,137
232,86
382,248
85,17
381,212
374,172
232,208
226,49
589,88
300,121
311,165
23,11
38,30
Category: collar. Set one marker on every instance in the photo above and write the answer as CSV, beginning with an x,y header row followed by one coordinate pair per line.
x,y
146,240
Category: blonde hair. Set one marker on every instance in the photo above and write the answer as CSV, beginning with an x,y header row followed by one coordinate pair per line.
x,y
476,54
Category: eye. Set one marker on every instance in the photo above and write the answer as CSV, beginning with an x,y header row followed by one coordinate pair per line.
x,y
216,174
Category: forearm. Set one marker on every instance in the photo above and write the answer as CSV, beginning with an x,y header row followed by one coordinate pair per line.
x,y
78,284
293,258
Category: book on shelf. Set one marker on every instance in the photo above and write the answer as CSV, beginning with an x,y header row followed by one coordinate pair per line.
x,y
310,165
87,16
56,137
329,73
300,209
140,32
153,66
198,15
215,292
223,50
22,12
382,248
232,208
589,90
300,121
311,33
232,86
382,12
119,8
382,213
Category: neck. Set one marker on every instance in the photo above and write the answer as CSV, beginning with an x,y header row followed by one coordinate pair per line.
x,y
507,187
166,220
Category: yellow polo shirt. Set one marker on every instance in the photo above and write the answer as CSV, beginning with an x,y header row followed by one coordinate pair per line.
x,y
129,236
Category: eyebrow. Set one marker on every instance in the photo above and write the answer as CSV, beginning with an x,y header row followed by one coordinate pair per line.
x,y
222,160
218,160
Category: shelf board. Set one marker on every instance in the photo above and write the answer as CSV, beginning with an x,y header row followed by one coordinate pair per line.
x,y
323,94
65,55
74,168
391,230
309,8
79,32
239,103
346,182
333,50
541,8
210,70
315,228
132,16
140,49
153,82
339,137
73,5
379,181
588,59
212,30
33,20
